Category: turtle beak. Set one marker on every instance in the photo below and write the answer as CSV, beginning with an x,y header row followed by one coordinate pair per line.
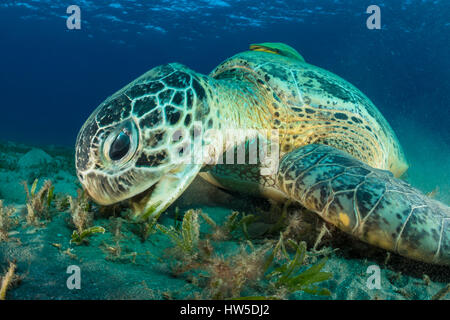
x,y
152,202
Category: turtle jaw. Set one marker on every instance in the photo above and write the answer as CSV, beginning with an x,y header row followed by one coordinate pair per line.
x,y
153,201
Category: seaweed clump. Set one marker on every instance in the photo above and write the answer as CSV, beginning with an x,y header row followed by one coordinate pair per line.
x,y
292,276
115,251
82,218
266,270
7,222
186,240
235,223
9,280
38,202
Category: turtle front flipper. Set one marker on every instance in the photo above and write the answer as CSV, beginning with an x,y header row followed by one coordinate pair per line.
x,y
367,203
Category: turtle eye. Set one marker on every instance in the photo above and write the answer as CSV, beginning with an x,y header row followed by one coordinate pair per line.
x,y
120,146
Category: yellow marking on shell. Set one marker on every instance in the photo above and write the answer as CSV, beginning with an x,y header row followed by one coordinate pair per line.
x,y
343,217
277,48
263,49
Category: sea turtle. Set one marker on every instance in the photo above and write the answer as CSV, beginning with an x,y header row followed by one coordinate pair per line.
x,y
332,150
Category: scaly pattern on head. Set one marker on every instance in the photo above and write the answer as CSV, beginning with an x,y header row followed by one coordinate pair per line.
x,y
132,141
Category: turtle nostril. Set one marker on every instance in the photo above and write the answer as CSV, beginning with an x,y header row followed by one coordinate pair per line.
x,y
120,146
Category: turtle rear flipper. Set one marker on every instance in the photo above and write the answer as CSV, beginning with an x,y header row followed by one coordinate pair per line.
x,y
368,203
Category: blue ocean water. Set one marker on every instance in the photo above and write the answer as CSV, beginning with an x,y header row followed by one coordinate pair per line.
x,y
52,78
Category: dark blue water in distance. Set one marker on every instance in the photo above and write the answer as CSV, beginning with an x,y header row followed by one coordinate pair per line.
x,y
52,78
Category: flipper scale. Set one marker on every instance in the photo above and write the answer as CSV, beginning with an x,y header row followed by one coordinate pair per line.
x,y
368,203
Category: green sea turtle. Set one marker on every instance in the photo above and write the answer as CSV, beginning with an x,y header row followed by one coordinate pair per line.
x,y
334,152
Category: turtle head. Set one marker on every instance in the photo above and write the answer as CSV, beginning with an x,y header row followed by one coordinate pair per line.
x,y
137,144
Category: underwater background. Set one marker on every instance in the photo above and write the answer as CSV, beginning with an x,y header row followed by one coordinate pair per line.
x,y
52,78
